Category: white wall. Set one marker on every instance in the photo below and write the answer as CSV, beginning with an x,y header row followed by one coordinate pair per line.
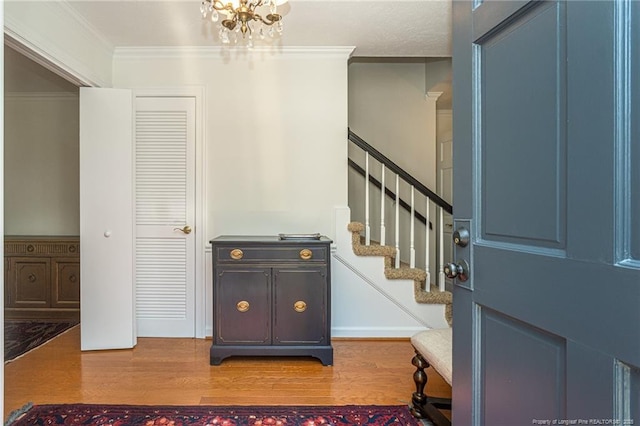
x,y
388,109
275,132
41,189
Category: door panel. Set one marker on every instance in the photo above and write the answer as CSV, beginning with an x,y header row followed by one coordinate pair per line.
x,y
31,279
106,219
599,382
524,161
65,288
548,325
291,286
164,204
246,325
506,374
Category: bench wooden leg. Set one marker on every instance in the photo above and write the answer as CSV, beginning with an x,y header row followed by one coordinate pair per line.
x,y
418,399
423,407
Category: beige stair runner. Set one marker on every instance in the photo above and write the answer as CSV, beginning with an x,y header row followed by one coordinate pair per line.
x,y
435,296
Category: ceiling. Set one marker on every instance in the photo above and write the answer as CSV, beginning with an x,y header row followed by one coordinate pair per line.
x,y
376,28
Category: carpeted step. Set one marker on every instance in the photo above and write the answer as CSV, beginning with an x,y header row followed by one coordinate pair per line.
x,y
419,276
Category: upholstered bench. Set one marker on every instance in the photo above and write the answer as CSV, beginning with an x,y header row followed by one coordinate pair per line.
x,y
433,348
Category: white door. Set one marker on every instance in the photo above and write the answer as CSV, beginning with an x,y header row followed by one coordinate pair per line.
x,y
106,219
445,190
165,216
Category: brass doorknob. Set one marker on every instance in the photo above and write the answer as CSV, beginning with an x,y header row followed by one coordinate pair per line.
x,y
187,229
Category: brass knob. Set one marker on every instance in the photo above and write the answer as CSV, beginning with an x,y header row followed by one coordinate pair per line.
x,y
300,306
30,248
306,254
242,306
236,254
73,278
187,229
32,278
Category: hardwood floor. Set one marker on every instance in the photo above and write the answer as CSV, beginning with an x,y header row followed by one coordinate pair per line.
x,y
177,372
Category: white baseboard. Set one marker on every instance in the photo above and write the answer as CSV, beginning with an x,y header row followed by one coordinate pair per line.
x,y
374,332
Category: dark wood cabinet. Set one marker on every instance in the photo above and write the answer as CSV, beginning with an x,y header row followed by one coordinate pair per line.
x,y
42,277
271,297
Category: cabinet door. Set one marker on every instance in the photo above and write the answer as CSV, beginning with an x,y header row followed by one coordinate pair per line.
x,y
28,284
300,306
65,288
242,306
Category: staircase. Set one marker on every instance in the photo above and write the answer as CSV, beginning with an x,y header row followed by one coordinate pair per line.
x,y
421,294
417,244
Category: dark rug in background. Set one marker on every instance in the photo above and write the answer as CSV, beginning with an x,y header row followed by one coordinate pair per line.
x,y
121,415
21,336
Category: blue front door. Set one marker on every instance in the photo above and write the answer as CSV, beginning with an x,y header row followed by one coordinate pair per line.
x,y
547,181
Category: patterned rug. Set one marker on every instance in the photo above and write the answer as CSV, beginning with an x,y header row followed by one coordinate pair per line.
x,y
121,415
21,336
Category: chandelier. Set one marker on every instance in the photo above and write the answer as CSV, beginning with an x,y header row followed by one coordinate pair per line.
x,y
240,15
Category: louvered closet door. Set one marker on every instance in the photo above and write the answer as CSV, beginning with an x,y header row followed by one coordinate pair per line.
x,y
164,205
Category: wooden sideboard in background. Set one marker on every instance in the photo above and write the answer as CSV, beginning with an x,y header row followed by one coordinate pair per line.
x,y
42,277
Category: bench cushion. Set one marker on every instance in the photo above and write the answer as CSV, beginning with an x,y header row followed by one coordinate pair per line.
x,y
435,347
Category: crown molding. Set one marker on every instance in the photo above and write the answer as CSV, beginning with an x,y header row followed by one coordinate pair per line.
x,y
225,53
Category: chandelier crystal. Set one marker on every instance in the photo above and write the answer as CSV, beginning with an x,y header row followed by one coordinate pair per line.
x,y
241,17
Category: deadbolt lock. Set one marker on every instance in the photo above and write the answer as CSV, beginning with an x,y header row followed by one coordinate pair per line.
x,y
461,237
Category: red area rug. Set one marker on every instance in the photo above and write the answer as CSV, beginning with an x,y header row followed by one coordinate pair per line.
x,y
120,415
21,336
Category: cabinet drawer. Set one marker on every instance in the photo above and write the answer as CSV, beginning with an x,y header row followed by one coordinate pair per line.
x,y
240,254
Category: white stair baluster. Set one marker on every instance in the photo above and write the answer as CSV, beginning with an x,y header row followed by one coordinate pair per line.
x,y
441,248
383,197
412,246
367,228
397,221
426,247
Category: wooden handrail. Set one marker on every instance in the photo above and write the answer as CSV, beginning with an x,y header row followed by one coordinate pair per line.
x,y
400,172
